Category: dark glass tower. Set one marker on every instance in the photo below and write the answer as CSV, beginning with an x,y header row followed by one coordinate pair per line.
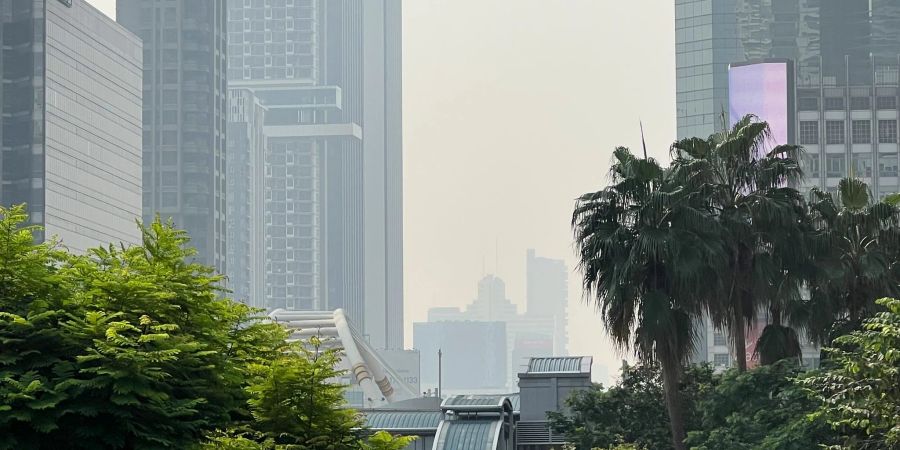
x,y
184,116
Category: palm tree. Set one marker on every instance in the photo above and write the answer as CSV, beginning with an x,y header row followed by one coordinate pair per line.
x,y
646,255
747,188
862,264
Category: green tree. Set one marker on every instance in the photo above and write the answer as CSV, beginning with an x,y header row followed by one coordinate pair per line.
x,y
298,400
861,265
761,409
860,392
632,411
648,258
119,348
746,186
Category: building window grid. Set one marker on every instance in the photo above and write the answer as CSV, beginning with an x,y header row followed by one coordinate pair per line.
x,y
809,132
862,131
887,131
834,131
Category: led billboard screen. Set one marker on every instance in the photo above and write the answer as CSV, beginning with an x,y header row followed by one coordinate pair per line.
x,y
762,89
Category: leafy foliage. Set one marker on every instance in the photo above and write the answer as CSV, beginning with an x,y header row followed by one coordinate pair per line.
x,y
763,408
297,400
121,347
632,411
860,393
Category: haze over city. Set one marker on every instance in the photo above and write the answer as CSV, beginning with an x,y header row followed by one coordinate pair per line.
x,y
449,224
508,119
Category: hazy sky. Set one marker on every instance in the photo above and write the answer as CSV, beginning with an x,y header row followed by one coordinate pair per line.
x,y
511,110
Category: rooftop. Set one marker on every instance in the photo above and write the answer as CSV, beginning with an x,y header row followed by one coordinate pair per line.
x,y
403,420
468,435
560,364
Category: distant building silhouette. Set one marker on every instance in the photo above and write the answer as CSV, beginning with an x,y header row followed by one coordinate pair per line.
x,y
538,332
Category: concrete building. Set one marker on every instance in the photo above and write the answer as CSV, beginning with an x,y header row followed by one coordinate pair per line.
x,y
184,117
71,121
246,193
329,72
547,295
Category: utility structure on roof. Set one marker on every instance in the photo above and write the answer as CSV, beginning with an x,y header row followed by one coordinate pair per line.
x,y
544,386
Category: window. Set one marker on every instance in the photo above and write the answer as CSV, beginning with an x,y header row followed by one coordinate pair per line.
x,y
834,131
808,104
887,165
834,103
887,102
887,131
862,132
811,165
809,132
719,338
860,103
721,360
169,178
169,199
862,164
836,165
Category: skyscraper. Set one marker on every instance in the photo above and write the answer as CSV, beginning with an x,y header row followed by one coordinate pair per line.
x,y
71,99
184,116
329,74
246,190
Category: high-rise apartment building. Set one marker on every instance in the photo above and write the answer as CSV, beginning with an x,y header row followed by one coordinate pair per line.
x,y
246,191
71,121
184,116
842,85
328,71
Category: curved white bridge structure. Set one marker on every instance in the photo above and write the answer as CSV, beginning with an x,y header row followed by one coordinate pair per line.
x,y
378,381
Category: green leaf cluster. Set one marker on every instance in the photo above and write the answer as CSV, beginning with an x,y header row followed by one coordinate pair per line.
x,y
122,347
860,390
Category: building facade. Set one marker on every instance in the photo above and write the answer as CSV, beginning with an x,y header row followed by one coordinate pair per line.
x,y
71,97
329,74
184,117
245,194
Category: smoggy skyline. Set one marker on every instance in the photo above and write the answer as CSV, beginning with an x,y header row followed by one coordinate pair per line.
x,y
511,110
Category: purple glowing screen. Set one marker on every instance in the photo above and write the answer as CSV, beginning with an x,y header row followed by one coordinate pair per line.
x,y
760,89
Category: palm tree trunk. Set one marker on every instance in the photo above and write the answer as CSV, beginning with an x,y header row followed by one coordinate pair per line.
x,y
739,341
670,375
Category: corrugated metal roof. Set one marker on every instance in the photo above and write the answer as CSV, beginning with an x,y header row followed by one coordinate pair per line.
x,y
561,364
515,399
469,435
403,420
475,400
